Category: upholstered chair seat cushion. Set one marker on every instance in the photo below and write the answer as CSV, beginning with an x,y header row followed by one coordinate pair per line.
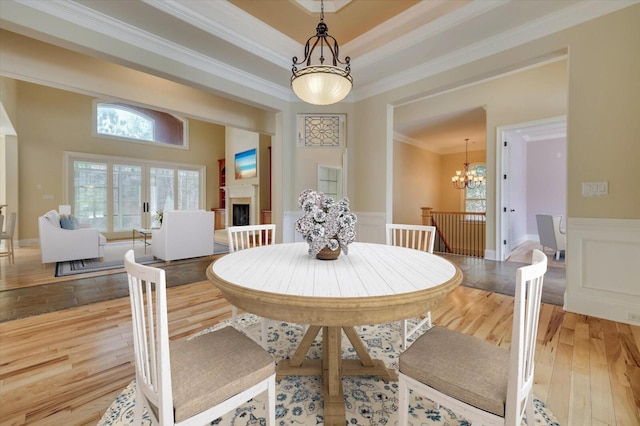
x,y
442,359
215,353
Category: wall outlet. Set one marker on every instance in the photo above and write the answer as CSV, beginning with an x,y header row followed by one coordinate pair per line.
x,y
633,316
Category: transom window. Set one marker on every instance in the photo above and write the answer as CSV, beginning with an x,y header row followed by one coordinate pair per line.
x,y
117,120
475,200
139,124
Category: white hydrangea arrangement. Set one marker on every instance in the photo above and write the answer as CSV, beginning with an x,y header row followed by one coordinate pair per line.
x,y
325,222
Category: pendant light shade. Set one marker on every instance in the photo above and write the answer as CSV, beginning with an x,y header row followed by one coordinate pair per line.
x,y
321,84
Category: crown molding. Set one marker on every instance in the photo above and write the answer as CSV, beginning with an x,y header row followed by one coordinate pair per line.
x,y
359,45
88,18
414,142
570,16
233,25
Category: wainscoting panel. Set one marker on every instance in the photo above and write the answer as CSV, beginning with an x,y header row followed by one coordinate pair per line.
x,y
370,227
289,234
602,268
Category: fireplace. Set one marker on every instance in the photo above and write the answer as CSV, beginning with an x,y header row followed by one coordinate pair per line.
x,y
242,204
240,215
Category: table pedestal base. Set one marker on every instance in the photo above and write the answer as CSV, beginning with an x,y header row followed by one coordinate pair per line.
x,y
332,367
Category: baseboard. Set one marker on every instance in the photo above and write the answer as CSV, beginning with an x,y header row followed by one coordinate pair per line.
x,y
490,254
29,242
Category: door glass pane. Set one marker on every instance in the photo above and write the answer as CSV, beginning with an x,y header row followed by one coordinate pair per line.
x,y
127,197
188,189
90,193
161,191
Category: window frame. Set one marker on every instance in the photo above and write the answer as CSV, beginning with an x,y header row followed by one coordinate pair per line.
x,y
69,159
159,144
464,192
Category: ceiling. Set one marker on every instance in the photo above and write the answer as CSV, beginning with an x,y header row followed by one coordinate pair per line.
x,y
249,44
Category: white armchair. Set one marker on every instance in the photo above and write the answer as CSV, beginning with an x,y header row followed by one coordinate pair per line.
x,y
58,244
550,233
184,234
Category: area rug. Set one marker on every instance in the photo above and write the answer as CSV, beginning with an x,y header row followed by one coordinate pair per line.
x,y
114,258
368,400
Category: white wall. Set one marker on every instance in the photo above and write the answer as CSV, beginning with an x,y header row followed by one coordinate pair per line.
x,y
547,180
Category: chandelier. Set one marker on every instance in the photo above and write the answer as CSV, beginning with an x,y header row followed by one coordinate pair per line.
x,y
321,84
467,178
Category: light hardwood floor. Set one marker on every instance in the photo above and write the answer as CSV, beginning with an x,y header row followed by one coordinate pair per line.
x,y
66,367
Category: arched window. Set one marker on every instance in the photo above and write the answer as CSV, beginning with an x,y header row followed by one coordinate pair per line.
x,y
134,123
118,120
475,200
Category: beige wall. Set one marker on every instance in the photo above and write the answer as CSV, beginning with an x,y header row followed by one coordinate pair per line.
x,y
9,150
522,96
305,160
603,128
602,97
603,135
52,121
264,170
417,182
35,61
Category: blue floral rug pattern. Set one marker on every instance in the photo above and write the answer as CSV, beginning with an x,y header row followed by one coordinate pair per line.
x,y
368,400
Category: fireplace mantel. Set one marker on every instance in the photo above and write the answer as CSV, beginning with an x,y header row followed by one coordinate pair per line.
x,y
242,194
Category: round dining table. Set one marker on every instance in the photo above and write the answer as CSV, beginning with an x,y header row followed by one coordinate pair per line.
x,y
373,284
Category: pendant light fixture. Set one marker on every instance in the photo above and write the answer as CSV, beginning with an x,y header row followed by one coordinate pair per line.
x,y
467,178
321,84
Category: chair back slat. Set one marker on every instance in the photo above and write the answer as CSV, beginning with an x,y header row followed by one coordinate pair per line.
x,y
147,291
526,314
244,237
418,237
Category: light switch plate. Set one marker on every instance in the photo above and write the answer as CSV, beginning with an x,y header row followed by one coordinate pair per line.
x,y
595,189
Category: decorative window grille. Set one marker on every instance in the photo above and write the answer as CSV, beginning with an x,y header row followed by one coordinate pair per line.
x,y
321,130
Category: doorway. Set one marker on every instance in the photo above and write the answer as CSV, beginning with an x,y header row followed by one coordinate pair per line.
x,y
532,167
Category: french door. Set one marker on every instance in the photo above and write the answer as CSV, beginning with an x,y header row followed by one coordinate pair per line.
x,y
116,195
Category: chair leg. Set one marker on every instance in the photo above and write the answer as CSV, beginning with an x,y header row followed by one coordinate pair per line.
x,y
557,254
403,402
234,316
403,331
139,407
406,333
529,410
271,392
265,325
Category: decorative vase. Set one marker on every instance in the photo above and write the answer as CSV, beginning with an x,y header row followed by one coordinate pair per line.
x,y
327,254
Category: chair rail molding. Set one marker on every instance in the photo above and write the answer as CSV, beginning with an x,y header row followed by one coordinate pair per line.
x,y
602,280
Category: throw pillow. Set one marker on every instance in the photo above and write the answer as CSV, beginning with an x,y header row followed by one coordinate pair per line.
x,y
66,222
75,222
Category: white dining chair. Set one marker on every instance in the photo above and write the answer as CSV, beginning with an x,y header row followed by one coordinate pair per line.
x,y
418,237
244,237
194,381
7,236
482,382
